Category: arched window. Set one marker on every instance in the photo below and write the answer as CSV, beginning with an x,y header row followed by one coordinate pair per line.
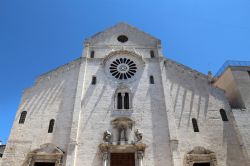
x,y
126,101
123,99
195,125
22,117
92,54
223,115
51,125
119,101
152,54
93,82
151,80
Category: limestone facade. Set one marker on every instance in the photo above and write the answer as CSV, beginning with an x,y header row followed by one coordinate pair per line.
x,y
125,97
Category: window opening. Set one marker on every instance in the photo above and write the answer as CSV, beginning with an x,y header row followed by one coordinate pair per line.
x,y
151,78
22,117
152,54
195,125
92,54
51,126
123,100
93,82
119,101
126,101
122,38
223,115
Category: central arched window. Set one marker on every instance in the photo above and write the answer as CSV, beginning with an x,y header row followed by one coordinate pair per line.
x,y
123,98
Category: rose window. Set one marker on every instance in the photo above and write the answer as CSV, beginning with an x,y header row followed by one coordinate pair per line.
x,y
123,68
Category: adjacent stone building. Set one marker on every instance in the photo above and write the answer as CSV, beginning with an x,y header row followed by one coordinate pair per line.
x,y
124,104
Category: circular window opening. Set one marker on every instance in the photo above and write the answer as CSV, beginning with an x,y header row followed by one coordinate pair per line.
x,y
123,68
122,38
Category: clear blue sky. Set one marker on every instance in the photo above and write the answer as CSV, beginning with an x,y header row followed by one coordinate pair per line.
x,y
39,35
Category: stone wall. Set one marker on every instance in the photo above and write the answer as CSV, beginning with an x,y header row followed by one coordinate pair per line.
x,y
193,96
52,97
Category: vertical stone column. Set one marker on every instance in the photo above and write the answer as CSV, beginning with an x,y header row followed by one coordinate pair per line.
x,y
140,158
104,148
123,94
105,158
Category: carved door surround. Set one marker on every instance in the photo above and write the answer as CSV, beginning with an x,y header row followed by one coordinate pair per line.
x,y
138,149
124,143
46,153
200,155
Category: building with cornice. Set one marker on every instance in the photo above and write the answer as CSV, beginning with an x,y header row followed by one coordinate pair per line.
x,y
122,103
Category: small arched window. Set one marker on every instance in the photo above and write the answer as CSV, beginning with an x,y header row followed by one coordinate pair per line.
x,y
51,126
93,82
152,54
22,117
195,125
223,115
119,101
126,101
151,80
92,54
123,100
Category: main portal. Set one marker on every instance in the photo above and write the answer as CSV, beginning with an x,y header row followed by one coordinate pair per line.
x,y
122,159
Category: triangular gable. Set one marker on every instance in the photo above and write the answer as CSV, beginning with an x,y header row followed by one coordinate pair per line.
x,y
135,36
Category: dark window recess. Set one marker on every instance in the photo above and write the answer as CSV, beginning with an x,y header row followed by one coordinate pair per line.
x,y
223,115
152,54
22,117
151,79
92,54
122,38
93,82
201,164
249,73
126,101
195,125
44,164
51,126
119,101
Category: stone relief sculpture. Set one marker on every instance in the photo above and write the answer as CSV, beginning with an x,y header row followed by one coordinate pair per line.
x,y
200,154
138,135
107,136
122,125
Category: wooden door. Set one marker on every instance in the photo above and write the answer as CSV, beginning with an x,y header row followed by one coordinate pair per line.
x,y
122,159
201,164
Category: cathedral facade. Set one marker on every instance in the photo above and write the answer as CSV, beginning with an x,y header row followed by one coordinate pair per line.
x,y
124,104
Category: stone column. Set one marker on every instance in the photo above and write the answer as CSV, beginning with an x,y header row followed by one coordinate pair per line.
x,y
105,158
123,94
140,158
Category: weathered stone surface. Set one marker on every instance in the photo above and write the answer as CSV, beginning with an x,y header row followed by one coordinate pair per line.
x,y
162,111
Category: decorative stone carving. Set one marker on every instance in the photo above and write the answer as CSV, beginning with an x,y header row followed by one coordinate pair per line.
x,y
138,135
46,153
140,157
200,154
122,125
199,150
107,136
